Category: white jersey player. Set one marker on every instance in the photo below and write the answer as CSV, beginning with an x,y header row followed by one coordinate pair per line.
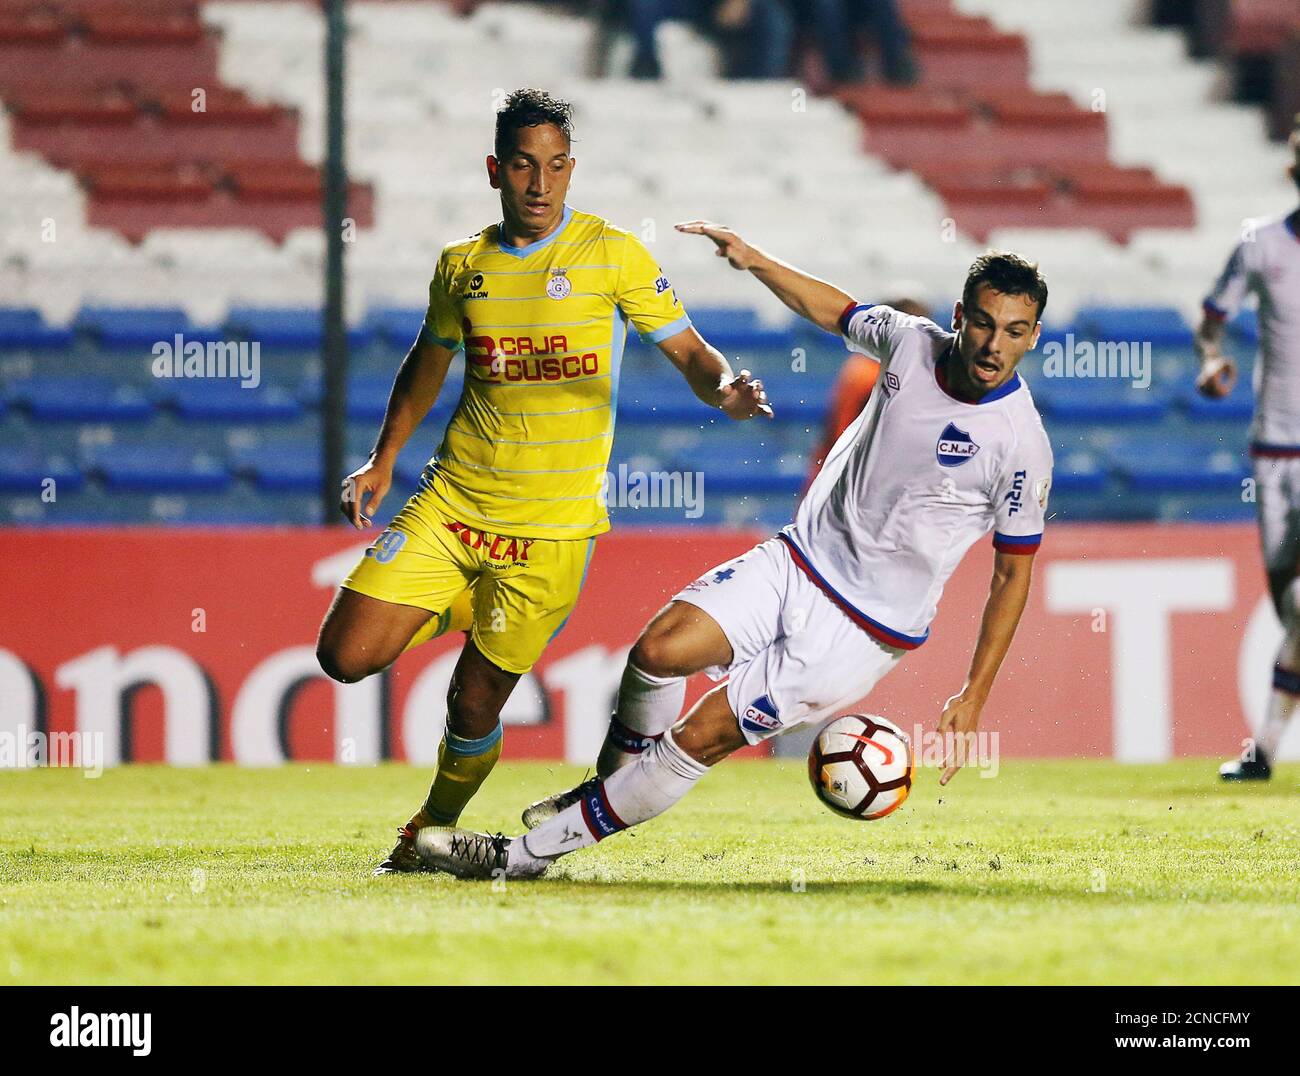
x,y
1267,263
948,448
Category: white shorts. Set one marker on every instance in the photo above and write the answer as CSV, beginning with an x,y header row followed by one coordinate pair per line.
x,y
1277,502
796,656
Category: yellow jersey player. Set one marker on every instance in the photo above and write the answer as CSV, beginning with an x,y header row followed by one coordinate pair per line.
x,y
497,539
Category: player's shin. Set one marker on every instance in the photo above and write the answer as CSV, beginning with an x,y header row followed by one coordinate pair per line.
x,y
660,777
1286,678
647,707
463,765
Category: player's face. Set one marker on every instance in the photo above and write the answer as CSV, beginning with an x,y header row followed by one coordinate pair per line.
x,y
993,334
533,180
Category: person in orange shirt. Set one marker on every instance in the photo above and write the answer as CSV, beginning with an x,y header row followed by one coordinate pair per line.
x,y
849,395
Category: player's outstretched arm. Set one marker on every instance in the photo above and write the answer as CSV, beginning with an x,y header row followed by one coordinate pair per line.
x,y
418,382
819,302
1006,601
709,374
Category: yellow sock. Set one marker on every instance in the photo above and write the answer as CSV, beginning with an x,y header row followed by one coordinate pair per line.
x,y
463,765
459,616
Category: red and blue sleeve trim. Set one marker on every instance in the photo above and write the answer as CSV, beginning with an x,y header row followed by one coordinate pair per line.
x,y
1284,452
1017,543
874,628
848,313
1216,313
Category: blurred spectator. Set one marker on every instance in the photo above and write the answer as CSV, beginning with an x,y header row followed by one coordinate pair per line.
x,y
755,36
849,395
835,24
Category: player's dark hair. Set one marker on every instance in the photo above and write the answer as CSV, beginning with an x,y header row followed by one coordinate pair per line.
x,y
1008,273
529,108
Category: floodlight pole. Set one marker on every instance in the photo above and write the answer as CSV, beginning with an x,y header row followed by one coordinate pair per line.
x,y
334,211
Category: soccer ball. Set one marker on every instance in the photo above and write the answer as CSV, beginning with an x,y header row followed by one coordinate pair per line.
x,y
860,766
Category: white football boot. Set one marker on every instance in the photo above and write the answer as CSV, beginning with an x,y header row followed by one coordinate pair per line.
x,y
467,854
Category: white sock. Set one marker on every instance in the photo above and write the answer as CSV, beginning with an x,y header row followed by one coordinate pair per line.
x,y
647,708
661,776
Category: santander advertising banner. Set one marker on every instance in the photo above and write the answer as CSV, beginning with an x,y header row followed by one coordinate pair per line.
x,y
1139,643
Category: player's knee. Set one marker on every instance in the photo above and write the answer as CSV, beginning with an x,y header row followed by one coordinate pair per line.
x,y
342,665
665,649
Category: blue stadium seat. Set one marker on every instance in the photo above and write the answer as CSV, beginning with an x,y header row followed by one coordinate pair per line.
x,y
24,471
297,327
757,467
396,326
285,468
122,328
159,469
81,399
1077,471
208,400
659,399
1226,509
730,327
1055,332
1237,406
1160,326
1164,464
1098,399
24,327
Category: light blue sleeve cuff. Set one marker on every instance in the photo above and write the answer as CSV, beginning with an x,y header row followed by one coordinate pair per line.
x,y
441,341
664,332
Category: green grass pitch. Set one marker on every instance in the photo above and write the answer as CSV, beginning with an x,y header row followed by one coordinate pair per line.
x,y
1053,872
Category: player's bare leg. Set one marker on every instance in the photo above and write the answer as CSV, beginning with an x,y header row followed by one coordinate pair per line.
x,y
363,635
1255,763
659,777
680,640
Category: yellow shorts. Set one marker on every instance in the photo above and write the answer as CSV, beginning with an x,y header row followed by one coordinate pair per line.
x,y
523,588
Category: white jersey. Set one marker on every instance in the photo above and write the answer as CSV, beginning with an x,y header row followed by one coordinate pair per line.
x,y
916,480
1268,264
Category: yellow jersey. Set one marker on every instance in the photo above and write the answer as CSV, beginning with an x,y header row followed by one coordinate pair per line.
x,y
543,328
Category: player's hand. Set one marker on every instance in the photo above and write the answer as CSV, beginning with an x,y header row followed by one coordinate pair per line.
x,y
362,491
1217,377
961,715
730,246
742,398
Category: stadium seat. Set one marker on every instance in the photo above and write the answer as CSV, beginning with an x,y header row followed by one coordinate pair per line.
x,y
1156,325
281,468
1154,464
126,329
25,471
1077,471
209,400
155,470
25,328
1099,399
1238,406
81,399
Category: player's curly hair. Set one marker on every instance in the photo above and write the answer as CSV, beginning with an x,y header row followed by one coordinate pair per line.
x,y
529,108
1008,273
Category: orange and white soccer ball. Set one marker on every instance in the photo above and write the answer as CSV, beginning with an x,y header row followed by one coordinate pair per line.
x,y
860,766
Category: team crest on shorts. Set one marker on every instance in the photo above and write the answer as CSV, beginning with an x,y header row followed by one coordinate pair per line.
x,y
559,286
955,446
